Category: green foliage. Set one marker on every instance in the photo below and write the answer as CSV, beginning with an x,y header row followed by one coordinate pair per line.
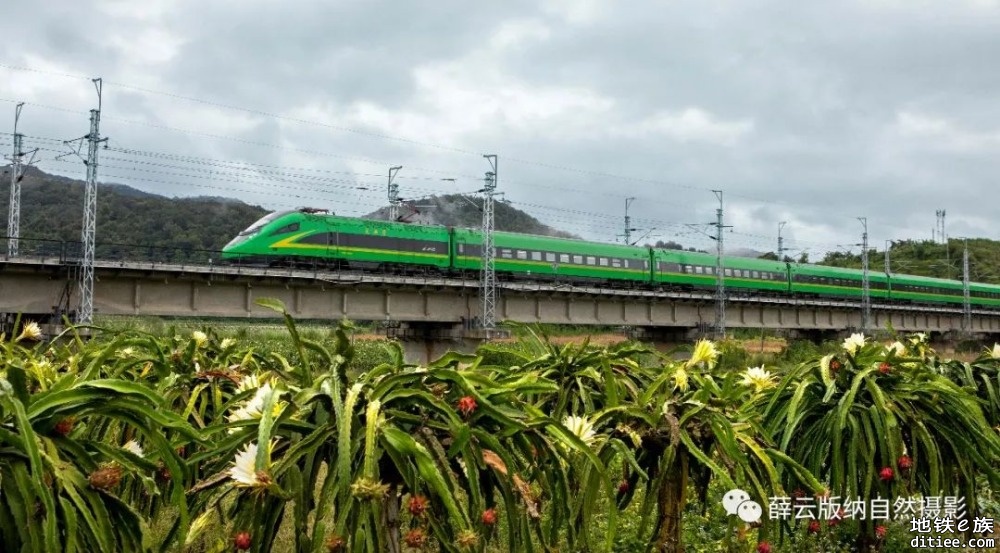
x,y
851,417
932,259
199,439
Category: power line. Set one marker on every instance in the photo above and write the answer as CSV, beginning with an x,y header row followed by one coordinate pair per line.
x,y
262,168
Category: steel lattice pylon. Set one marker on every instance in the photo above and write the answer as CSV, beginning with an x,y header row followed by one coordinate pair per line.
x,y
86,313
720,282
394,200
488,277
866,299
14,219
966,303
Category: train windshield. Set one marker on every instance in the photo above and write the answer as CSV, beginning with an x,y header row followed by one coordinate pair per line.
x,y
255,228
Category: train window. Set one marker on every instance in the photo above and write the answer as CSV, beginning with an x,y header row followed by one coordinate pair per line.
x,y
285,229
645,264
617,263
603,262
699,269
521,254
756,274
591,260
728,272
578,259
461,248
536,256
550,257
506,254
564,258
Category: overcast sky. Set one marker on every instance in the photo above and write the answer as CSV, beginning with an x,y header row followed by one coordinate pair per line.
x,y
814,113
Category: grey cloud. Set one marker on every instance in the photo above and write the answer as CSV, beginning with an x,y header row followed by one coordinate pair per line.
x,y
820,87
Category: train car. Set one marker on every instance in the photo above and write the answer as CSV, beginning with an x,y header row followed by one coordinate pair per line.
x,y
920,289
985,295
698,270
548,258
308,236
822,281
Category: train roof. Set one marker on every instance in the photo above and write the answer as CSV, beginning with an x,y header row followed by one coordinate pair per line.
x,y
928,281
843,272
684,256
539,240
729,261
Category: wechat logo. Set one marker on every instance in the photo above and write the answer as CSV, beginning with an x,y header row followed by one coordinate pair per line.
x,y
738,502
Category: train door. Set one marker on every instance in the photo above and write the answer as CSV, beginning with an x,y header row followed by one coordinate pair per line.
x,y
332,240
461,251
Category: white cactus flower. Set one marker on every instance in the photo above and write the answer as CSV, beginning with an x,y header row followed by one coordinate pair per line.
x,y
244,470
248,382
254,407
199,338
995,352
704,352
582,427
854,343
134,448
896,348
30,331
758,378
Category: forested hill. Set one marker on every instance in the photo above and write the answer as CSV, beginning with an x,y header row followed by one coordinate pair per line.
x,y
52,208
929,258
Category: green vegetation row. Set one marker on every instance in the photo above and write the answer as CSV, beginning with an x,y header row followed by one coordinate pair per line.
x,y
194,442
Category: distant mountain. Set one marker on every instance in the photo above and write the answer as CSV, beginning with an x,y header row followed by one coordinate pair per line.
x,y
457,210
743,252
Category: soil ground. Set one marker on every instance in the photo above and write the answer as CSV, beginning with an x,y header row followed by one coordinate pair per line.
x,y
768,345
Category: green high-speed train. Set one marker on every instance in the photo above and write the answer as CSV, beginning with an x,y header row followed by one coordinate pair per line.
x,y
314,238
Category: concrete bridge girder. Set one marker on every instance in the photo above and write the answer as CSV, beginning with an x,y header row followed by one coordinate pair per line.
x,y
141,289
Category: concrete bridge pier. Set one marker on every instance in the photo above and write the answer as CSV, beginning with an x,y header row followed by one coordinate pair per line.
x,y
424,342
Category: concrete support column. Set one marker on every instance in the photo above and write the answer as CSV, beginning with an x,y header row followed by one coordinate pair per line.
x,y
425,342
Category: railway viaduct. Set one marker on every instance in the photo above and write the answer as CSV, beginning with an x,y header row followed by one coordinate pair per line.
x,y
433,314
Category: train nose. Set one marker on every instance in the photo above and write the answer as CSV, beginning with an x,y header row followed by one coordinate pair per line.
x,y
234,242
